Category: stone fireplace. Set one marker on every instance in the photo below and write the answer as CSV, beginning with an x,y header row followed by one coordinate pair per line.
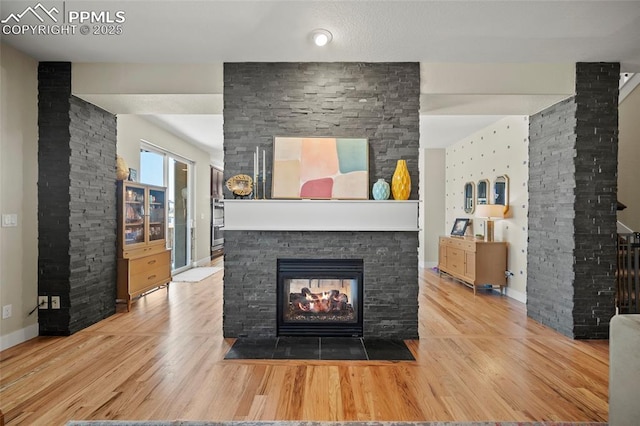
x,y
376,101
384,242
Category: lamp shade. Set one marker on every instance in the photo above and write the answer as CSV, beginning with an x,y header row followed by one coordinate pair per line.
x,y
490,211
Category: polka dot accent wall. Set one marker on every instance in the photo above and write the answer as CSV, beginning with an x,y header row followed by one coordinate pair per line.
x,y
499,149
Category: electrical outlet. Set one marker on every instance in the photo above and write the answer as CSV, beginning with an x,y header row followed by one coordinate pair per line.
x,y
55,302
6,311
43,302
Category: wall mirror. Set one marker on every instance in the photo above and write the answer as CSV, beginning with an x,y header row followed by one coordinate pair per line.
x,y
469,195
501,191
483,192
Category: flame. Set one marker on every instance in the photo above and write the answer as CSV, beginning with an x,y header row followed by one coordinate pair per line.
x,y
321,302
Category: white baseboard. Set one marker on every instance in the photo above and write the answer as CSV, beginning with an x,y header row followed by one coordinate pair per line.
x,y
202,262
19,336
517,295
514,294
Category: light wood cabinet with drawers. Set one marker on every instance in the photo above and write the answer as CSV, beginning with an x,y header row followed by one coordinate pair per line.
x,y
474,262
144,263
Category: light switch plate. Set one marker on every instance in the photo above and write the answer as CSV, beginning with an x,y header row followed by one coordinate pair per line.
x,y
9,220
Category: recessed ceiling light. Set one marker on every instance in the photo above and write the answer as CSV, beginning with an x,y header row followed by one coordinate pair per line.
x,y
321,37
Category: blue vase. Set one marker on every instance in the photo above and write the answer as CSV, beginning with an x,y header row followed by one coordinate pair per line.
x,y
381,190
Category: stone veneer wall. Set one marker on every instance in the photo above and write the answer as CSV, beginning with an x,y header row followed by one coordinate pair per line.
x,y
390,277
76,205
377,101
572,206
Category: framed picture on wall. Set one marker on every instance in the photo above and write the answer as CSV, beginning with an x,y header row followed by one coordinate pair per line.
x,y
133,175
320,168
460,227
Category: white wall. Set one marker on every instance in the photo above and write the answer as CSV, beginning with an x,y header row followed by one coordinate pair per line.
x,y
18,195
499,149
492,88
629,159
130,78
432,212
133,129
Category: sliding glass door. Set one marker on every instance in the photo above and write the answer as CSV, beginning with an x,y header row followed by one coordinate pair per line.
x,y
162,168
179,188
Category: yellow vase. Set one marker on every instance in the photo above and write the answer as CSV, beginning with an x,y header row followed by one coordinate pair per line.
x,y
401,182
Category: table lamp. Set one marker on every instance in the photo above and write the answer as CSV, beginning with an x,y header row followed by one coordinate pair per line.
x,y
489,211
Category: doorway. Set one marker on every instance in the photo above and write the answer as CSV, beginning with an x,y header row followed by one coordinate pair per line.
x,y
162,168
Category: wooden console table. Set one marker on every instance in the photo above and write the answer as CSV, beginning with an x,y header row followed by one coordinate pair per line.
x,y
475,262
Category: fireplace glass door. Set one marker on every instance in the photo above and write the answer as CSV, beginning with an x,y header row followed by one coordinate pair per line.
x,y
320,297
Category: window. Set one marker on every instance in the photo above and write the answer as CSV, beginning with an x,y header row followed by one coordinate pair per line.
x,y
152,168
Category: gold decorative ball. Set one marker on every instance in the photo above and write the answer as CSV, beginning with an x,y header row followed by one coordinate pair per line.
x,y
122,170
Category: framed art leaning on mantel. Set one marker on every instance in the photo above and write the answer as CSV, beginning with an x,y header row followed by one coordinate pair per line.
x,y
320,168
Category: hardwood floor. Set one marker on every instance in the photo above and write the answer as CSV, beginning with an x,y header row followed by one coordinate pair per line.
x,y
478,358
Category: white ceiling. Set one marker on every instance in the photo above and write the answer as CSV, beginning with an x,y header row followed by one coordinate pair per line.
x,y
466,32
202,130
440,131
418,31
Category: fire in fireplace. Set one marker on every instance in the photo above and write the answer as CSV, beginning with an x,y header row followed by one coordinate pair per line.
x,y
329,303
320,297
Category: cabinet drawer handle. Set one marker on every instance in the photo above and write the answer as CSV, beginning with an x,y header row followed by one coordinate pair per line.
x,y
151,262
151,277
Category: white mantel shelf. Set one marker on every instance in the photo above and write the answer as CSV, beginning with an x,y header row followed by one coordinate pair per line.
x,y
320,215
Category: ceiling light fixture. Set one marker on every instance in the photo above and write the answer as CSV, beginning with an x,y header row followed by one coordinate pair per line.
x,y
321,37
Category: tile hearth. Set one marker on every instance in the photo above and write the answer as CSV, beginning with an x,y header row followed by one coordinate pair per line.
x,y
320,348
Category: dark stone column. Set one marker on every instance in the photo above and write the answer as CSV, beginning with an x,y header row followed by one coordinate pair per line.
x,y
573,158
54,268
377,101
596,166
76,205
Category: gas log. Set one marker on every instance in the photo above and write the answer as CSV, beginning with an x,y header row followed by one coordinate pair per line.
x,y
306,301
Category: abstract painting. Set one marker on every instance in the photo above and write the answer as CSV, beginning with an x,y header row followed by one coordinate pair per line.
x,y
320,168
